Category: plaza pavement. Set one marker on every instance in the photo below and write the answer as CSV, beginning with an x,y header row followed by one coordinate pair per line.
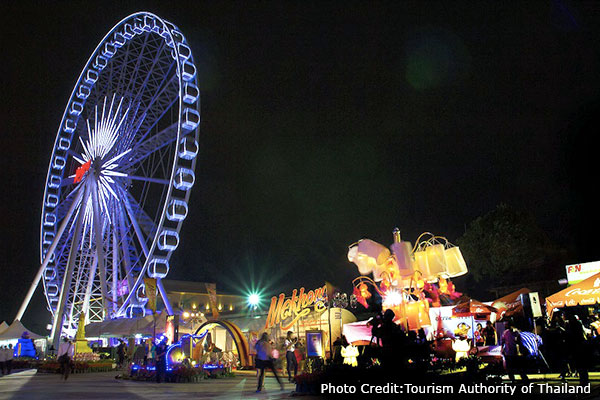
x,y
27,385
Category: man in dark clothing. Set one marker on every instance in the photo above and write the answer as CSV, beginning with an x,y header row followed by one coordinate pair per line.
x,y
161,360
121,354
509,341
576,341
489,334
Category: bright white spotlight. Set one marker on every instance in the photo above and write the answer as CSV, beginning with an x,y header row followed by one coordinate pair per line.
x,y
253,299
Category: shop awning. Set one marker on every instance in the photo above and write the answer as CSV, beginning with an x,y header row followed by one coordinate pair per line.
x,y
509,304
472,307
128,327
16,330
584,293
512,297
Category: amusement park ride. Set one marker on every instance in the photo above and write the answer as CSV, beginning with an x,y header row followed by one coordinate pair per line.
x,y
120,175
408,279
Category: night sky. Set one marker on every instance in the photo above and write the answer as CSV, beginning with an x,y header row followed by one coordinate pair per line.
x,y
327,122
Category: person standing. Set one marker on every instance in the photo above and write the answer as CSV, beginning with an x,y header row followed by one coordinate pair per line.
x,y
161,360
478,335
489,334
65,355
290,356
509,350
263,360
9,358
577,342
3,359
121,354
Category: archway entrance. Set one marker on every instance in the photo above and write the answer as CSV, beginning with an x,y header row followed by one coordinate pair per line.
x,y
239,340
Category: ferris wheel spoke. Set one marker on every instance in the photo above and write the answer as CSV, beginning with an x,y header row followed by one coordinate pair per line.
x,y
141,218
155,69
99,240
147,179
66,201
145,250
152,144
127,264
89,283
148,115
165,96
68,274
115,268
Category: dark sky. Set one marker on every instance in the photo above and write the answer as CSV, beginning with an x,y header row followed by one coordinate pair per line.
x,y
326,123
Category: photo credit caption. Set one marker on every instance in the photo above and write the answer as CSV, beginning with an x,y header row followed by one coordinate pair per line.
x,y
477,388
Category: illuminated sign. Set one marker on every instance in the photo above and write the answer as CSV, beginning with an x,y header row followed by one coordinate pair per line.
x,y
80,172
578,272
295,307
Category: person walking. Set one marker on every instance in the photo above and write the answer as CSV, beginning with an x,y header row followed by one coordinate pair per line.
x,y
290,356
509,350
65,355
263,360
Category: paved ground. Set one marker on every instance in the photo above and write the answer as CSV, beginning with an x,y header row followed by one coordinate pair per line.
x,y
103,385
31,386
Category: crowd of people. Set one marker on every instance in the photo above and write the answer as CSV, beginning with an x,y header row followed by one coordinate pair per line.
x,y
568,345
267,357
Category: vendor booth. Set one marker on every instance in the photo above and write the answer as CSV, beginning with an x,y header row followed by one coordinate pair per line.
x,y
584,293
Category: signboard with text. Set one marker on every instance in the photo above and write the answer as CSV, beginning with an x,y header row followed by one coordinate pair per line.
x,y
578,272
288,311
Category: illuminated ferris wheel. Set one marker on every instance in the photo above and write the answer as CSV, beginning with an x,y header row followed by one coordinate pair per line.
x,y
120,174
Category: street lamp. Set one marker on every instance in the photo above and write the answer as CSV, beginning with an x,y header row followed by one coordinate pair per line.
x,y
254,300
193,317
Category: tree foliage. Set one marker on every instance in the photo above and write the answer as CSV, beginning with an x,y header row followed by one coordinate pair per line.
x,y
506,246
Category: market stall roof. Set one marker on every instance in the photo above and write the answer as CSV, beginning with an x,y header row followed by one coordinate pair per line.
x,y
472,307
509,304
15,331
584,293
512,297
127,327
3,326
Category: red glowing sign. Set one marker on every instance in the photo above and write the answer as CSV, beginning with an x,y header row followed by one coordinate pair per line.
x,y
80,172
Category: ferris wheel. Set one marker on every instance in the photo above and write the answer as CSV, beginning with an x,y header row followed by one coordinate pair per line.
x,y
120,175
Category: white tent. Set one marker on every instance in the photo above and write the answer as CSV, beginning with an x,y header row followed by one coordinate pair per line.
x,y
15,331
128,327
3,326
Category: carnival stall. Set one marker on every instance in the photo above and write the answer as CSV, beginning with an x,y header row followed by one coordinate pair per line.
x,y
408,279
584,293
